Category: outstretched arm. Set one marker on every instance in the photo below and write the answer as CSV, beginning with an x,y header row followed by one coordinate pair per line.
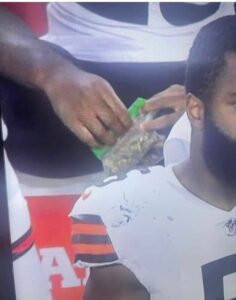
x,y
85,103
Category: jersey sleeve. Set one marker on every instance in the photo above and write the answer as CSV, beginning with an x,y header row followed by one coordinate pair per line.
x,y
91,242
120,223
102,221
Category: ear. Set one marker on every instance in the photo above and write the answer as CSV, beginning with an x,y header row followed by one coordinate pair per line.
x,y
195,111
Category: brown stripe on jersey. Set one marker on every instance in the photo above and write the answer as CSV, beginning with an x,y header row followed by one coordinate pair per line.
x,y
90,219
104,258
90,239
22,245
88,229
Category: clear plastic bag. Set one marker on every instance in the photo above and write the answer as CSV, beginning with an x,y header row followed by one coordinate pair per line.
x,y
136,147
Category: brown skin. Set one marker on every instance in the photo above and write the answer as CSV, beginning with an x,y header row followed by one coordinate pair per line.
x,y
193,173
91,108
174,98
85,103
114,282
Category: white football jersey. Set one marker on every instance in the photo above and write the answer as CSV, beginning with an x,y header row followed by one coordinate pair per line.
x,y
177,245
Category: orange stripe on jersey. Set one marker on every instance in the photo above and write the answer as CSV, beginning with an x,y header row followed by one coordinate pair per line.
x,y
90,241
23,244
88,229
93,249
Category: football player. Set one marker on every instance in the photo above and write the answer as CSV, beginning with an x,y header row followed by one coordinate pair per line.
x,y
170,233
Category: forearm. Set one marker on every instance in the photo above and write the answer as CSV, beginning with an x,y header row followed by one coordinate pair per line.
x,y
23,57
85,102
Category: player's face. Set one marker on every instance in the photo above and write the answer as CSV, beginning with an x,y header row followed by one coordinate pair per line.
x,y
219,143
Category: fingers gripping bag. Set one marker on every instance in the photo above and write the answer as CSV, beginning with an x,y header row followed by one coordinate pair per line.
x,y
136,148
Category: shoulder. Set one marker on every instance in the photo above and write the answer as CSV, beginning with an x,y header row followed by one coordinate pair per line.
x,y
100,198
104,216
110,221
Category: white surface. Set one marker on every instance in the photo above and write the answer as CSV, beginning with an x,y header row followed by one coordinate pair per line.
x,y
177,145
88,36
41,186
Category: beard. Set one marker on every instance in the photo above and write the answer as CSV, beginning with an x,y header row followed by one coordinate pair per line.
x,y
219,152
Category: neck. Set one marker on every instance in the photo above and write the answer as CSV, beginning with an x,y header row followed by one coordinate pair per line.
x,y
195,177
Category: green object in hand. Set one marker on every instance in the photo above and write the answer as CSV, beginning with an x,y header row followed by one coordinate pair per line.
x,y
133,112
135,107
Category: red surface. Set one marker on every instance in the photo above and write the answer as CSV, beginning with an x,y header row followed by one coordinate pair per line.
x,y
52,231
33,14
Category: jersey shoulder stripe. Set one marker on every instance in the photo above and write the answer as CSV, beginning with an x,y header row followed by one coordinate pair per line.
x,y
90,240
22,245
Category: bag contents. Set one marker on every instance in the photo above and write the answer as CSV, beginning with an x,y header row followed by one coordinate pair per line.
x,y
136,147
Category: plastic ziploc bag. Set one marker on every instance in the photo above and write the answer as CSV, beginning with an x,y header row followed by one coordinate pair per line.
x,y
136,147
